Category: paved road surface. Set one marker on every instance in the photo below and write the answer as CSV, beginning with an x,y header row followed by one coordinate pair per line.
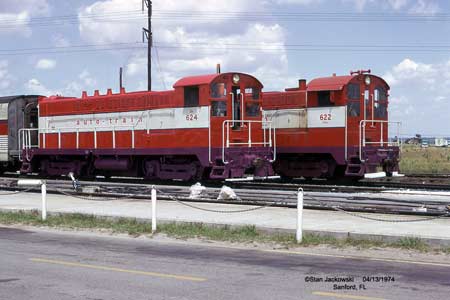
x,y
43,265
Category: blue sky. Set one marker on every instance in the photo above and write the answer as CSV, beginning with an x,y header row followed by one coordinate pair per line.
x,y
43,49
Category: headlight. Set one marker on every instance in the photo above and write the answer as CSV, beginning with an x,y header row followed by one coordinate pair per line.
x,y
367,80
236,78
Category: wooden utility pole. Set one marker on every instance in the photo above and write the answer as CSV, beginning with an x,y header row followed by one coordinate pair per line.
x,y
149,35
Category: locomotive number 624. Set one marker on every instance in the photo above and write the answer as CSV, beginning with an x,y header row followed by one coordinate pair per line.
x,y
191,117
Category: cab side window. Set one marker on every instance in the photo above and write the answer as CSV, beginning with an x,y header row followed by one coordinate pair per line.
x,y
353,98
218,90
324,98
191,96
252,108
380,103
219,108
353,92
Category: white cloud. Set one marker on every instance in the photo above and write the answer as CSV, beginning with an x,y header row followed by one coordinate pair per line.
x,y
5,76
35,7
301,2
95,28
87,79
426,76
398,4
15,23
202,51
33,86
425,7
60,41
193,44
15,15
412,6
45,64
420,96
73,88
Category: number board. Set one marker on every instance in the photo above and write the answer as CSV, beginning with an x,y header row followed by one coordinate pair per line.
x,y
326,117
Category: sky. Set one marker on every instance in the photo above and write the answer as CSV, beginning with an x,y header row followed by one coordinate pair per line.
x,y
65,47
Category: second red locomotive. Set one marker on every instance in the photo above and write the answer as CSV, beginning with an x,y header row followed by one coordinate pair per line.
x,y
333,127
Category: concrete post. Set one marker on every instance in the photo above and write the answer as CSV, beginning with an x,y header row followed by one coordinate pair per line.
x,y
299,234
44,200
153,209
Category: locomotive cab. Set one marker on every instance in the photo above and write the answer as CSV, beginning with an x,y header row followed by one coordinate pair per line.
x,y
369,148
246,142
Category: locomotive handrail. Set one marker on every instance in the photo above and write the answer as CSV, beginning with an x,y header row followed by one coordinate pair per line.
x,y
25,139
381,142
266,126
24,135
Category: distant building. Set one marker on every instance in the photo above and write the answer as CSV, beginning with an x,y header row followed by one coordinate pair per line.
x,y
440,142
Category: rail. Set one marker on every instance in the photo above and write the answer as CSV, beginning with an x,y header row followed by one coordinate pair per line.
x,y
362,135
267,141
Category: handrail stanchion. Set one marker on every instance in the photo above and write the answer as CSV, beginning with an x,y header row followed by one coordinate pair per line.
x,y
153,193
299,233
95,138
78,138
249,134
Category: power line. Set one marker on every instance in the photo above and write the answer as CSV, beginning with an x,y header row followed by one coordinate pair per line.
x,y
224,47
193,16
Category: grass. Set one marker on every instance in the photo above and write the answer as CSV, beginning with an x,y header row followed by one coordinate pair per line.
x,y
244,234
431,160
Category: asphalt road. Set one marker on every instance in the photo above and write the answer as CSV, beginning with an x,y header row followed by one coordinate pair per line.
x,y
43,265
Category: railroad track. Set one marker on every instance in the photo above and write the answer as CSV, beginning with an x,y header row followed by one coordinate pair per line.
x,y
413,181
354,199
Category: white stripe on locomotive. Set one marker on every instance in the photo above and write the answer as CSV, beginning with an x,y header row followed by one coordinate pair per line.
x,y
314,117
167,118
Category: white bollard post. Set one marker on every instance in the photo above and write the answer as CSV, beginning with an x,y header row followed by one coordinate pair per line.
x,y
37,182
153,209
299,235
44,200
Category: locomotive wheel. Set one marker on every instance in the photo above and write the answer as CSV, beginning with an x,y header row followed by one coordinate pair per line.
x,y
43,168
151,169
196,171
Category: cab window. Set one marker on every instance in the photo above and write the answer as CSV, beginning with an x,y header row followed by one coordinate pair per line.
x,y
324,98
252,92
353,108
218,90
191,96
219,108
380,103
380,94
252,109
353,91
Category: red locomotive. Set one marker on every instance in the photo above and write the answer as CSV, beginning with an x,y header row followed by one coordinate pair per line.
x,y
207,127
214,126
333,127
